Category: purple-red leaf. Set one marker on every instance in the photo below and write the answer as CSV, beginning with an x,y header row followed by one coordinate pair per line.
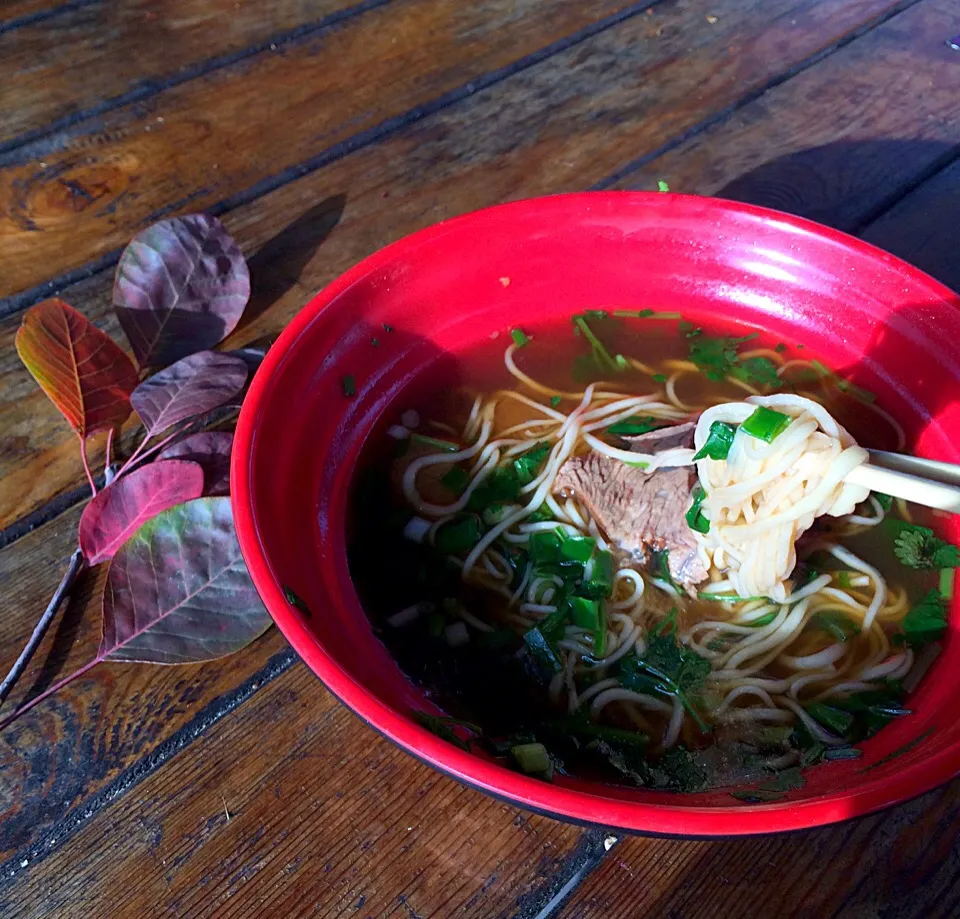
x,y
80,368
190,387
178,592
181,287
211,451
122,507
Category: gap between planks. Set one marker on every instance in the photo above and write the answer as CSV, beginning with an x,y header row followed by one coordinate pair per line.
x,y
192,72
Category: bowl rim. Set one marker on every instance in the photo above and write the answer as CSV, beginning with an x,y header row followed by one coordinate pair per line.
x,y
573,805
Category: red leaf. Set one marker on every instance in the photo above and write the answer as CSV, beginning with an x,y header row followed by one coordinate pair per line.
x,y
209,450
192,386
80,368
122,507
181,287
178,592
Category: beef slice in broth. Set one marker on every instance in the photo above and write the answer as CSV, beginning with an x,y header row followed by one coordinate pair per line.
x,y
640,511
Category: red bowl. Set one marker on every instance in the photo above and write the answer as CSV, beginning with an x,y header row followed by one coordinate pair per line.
x,y
445,290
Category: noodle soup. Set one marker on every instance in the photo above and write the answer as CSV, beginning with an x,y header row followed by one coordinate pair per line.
x,y
638,550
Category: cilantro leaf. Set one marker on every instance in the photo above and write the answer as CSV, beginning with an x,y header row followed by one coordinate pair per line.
x,y
759,370
885,501
927,620
918,547
669,668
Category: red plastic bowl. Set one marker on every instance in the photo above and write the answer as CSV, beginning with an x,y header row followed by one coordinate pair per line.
x,y
446,289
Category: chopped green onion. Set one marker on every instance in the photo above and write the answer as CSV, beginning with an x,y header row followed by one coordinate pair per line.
x,y
348,385
531,757
763,620
519,337
585,613
635,425
448,446
822,369
645,314
695,517
718,443
621,362
836,624
544,547
387,327
540,650
781,347
595,314
577,548
946,583
858,392
458,536
662,186
599,582
527,466
659,378
375,342
600,354
765,424
555,401
843,579
456,480
832,718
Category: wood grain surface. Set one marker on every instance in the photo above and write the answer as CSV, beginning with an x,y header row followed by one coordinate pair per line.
x,y
325,820
901,863
92,57
66,752
78,195
241,787
841,141
622,93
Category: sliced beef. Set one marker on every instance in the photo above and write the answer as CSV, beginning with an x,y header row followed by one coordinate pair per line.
x,y
677,435
636,510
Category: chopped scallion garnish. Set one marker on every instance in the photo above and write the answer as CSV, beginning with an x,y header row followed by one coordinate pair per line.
x,y
531,757
718,443
695,517
448,446
519,337
765,424
555,401
662,186
349,386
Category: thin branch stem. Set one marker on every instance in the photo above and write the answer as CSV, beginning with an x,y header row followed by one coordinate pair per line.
x,y
139,457
86,465
49,692
73,570
133,456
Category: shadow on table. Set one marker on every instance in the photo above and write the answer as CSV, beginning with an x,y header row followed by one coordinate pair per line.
x,y
279,262
828,184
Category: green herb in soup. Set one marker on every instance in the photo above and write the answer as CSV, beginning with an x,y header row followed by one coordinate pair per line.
x,y
639,553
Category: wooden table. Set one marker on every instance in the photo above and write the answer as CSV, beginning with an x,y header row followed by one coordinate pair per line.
x,y
319,130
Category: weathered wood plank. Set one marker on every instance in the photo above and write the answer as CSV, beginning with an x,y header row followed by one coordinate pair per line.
x,y
561,125
90,55
12,11
841,141
327,819
73,197
922,227
901,863
73,747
